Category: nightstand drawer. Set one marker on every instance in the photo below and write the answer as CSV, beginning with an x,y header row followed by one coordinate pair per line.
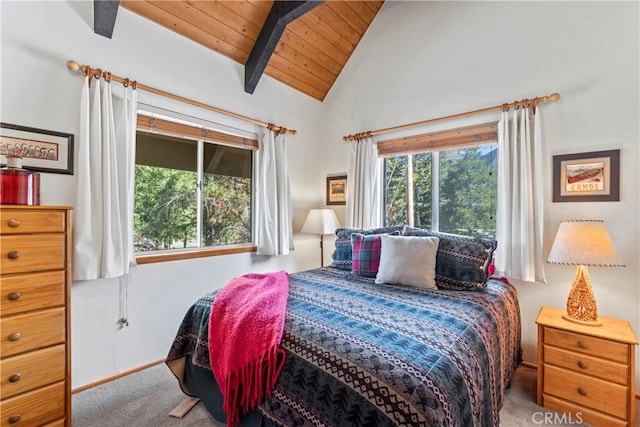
x,y
32,252
583,390
34,408
601,368
20,221
586,344
25,292
580,413
32,370
31,331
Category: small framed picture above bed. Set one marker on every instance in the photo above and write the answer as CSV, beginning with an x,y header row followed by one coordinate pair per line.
x,y
337,190
587,177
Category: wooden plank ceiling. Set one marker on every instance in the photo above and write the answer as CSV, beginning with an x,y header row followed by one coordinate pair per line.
x,y
310,53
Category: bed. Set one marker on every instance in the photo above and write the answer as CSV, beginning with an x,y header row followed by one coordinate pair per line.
x,y
367,354
361,351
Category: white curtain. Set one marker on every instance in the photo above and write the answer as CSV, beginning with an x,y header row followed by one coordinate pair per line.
x,y
103,216
520,196
274,229
363,209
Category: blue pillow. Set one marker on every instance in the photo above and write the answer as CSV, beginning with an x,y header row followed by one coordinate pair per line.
x,y
343,255
462,262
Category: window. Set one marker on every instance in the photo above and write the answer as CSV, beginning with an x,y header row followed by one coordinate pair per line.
x,y
191,191
452,188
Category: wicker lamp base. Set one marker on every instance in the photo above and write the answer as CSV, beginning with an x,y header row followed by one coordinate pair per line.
x,y
581,303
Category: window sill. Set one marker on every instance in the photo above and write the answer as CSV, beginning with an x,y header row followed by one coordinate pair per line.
x,y
197,253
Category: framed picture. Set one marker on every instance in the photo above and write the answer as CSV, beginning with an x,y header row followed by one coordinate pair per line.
x,y
587,177
337,190
41,150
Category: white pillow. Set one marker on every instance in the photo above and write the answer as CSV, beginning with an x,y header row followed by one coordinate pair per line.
x,y
408,260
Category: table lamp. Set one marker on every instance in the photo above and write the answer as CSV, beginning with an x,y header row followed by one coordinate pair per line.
x,y
583,243
321,221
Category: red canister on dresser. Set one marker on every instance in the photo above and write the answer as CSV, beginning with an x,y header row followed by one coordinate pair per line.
x,y
18,186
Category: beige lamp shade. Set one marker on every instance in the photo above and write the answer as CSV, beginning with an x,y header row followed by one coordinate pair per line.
x,y
584,242
320,221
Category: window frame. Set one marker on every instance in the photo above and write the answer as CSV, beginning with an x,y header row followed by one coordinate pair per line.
x,y
150,122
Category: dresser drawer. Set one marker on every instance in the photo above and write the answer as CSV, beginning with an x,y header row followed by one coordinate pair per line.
x,y
20,221
32,370
34,408
32,252
588,365
593,346
30,331
57,423
33,291
609,398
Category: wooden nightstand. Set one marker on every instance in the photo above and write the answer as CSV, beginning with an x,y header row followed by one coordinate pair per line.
x,y
587,371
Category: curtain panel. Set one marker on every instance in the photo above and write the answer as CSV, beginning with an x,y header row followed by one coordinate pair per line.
x,y
363,207
519,228
103,217
274,226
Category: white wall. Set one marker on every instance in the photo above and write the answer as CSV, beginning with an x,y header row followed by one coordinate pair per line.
x,y
422,60
419,60
39,91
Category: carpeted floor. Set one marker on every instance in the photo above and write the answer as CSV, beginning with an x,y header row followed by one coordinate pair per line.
x,y
144,399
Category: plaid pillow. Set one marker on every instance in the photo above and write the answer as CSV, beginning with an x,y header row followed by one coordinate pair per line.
x,y
365,251
342,255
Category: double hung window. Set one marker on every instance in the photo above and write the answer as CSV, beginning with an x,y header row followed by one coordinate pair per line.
x,y
444,181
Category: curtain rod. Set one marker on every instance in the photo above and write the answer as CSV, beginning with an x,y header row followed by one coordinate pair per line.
x,y
98,73
554,97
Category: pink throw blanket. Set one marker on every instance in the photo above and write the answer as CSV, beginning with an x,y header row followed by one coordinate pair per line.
x,y
245,329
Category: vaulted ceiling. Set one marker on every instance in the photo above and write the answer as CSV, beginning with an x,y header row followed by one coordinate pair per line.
x,y
303,44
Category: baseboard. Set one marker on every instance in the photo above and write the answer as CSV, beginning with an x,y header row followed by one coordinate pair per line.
x,y
115,377
530,365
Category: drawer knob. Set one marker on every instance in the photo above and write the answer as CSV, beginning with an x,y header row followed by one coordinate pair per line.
x,y
15,336
13,255
14,223
14,418
582,391
582,365
581,344
14,378
13,296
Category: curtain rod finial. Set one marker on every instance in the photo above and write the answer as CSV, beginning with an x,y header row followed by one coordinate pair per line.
x,y
555,97
73,65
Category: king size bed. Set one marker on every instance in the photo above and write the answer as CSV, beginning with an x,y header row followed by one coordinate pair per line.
x,y
359,353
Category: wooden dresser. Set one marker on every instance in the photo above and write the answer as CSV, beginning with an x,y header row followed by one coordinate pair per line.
x,y
587,371
35,283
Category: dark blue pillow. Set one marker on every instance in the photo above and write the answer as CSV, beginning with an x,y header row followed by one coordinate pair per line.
x,y
462,262
342,255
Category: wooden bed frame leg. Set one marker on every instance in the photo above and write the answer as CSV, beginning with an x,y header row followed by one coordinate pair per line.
x,y
184,407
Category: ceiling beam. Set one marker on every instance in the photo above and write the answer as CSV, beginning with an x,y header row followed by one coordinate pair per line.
x,y
282,12
104,16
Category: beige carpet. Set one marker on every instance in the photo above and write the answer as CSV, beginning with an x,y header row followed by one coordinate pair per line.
x,y
144,399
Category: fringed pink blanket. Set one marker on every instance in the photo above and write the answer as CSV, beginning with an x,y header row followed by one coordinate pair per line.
x,y
245,329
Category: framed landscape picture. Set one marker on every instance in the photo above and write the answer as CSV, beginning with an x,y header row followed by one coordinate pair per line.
x,y
337,190
587,177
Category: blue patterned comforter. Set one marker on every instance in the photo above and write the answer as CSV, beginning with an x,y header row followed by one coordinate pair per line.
x,y
361,354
